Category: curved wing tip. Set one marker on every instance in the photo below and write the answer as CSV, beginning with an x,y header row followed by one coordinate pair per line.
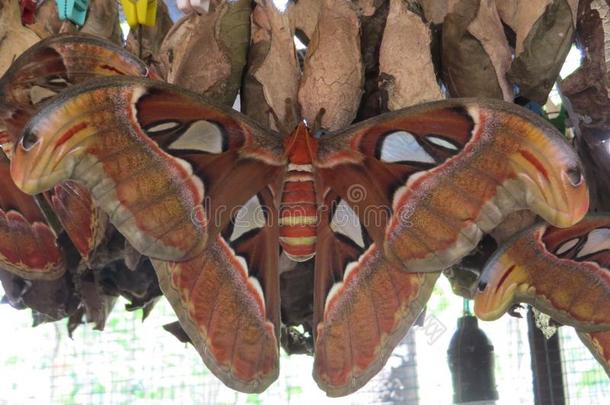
x,y
248,387
335,391
228,378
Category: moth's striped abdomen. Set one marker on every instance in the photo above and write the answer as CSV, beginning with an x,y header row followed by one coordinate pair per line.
x,y
298,214
298,210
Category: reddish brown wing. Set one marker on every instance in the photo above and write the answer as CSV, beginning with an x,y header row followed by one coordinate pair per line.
x,y
84,223
372,311
42,72
27,245
369,308
586,246
562,272
52,65
227,299
580,271
165,166
413,191
363,304
449,171
589,240
599,345
187,183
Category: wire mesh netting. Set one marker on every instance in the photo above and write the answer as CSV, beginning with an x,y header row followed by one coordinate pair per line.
x,y
585,382
135,362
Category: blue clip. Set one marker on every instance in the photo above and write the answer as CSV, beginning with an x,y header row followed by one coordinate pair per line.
x,y
535,107
73,10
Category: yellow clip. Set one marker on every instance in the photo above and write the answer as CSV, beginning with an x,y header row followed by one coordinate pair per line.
x,y
140,12
147,12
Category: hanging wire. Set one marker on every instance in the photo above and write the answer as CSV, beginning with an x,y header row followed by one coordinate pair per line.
x,y
466,307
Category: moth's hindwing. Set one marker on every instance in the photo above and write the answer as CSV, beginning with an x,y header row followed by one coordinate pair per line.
x,y
28,246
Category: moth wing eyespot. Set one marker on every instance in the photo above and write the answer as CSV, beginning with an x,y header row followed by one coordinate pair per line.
x,y
28,140
575,176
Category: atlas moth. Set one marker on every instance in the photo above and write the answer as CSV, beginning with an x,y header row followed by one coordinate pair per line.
x,y
380,208
562,272
29,248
